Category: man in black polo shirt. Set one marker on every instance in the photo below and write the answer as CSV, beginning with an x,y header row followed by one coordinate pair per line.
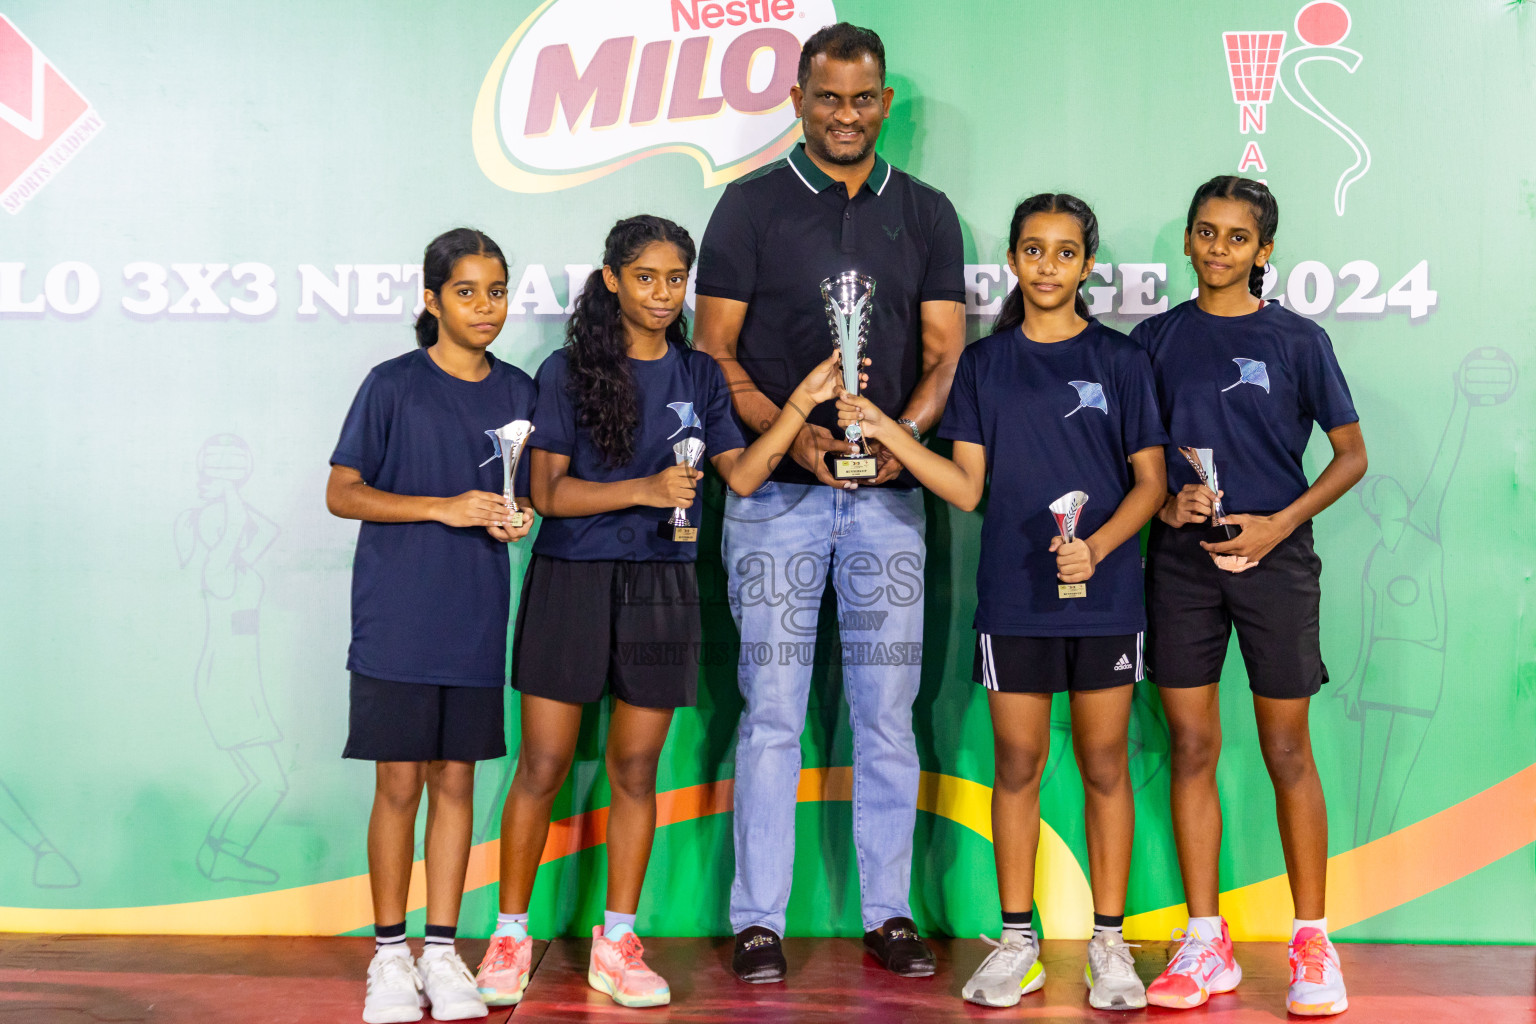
x,y
832,205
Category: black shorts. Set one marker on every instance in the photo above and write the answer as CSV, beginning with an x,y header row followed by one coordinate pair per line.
x,y
634,624
425,722
1192,607
1056,664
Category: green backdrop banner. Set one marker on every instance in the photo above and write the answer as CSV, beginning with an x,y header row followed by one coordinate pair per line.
x,y
212,220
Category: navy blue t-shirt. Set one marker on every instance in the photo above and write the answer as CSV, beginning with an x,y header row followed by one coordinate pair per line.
x,y
430,602
1249,388
682,394
1054,418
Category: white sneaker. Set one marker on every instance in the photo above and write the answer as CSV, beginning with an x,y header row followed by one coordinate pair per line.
x,y
394,989
1317,984
1111,974
1011,970
449,986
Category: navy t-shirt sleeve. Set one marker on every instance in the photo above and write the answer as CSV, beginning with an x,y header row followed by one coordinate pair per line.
x,y
554,417
721,434
1324,393
944,279
1141,422
962,413
365,430
728,254
1141,334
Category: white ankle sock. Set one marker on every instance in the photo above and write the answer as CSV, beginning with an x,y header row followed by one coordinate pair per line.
x,y
1206,928
616,924
512,926
1321,924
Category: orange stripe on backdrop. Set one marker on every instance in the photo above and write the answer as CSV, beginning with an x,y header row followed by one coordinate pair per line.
x,y
1374,878
1363,882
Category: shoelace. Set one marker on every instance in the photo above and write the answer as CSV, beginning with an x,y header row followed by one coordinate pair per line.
x,y
505,953
393,969
1008,956
1309,961
1117,961
450,962
1192,954
630,950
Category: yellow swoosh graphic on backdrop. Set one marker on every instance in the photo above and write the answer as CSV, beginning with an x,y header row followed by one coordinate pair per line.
x,y
1363,882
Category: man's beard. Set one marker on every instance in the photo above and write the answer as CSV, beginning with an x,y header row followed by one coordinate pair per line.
x,y
826,152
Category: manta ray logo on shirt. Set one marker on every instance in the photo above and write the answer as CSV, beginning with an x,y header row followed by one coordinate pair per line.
x,y
685,413
1089,396
1250,371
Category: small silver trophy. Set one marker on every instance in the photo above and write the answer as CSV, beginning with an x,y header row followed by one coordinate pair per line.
x,y
677,527
510,441
1066,509
847,298
1203,460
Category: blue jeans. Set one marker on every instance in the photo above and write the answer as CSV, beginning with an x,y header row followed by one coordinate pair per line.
x,y
779,545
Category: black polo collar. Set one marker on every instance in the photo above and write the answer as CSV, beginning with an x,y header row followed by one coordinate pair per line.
x,y
817,180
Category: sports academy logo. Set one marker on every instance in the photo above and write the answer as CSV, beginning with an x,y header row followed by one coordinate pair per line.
x,y
1258,61
44,121
586,87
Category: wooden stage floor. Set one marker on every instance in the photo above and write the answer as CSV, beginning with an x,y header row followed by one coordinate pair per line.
x,y
77,979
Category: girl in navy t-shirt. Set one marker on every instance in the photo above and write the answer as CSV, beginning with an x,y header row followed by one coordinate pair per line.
x,y
430,593
1243,380
610,596
1053,402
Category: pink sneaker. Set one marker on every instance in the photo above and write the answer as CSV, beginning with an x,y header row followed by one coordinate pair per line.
x,y
1317,985
503,974
616,969
1197,971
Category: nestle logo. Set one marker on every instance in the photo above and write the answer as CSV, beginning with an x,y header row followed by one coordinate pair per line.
x,y
586,87
736,12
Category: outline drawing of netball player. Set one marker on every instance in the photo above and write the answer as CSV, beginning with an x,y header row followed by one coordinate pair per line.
x,y
1399,675
50,868
227,536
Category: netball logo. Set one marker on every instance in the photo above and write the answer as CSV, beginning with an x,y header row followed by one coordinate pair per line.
x,y
586,87
1258,61
43,119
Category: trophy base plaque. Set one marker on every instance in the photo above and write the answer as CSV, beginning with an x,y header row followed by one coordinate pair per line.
x,y
517,519
1072,590
681,534
852,467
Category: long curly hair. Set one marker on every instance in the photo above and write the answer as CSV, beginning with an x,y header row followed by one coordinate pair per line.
x,y
600,383
1266,214
1012,313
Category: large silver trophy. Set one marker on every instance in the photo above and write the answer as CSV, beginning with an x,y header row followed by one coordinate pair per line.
x,y
676,527
1203,461
848,298
1066,509
510,441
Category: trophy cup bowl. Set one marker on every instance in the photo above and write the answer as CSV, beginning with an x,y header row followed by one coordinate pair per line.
x,y
676,527
1066,509
1203,461
847,298
512,439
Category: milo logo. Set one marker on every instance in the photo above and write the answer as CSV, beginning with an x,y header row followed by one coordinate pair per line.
x,y
586,87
